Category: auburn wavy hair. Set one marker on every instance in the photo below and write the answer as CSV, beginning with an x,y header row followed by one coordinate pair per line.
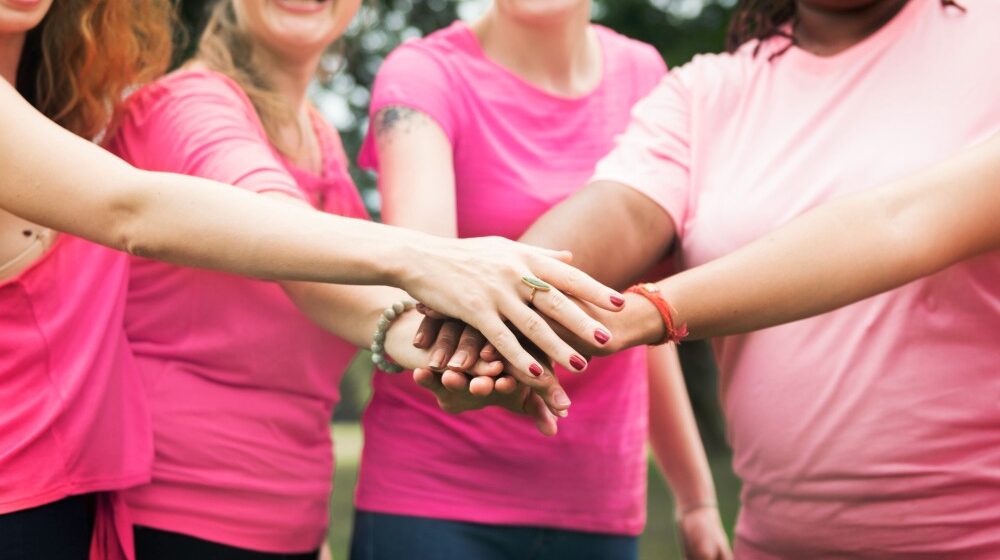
x,y
763,19
79,64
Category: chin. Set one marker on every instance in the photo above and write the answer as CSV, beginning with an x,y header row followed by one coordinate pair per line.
x,y
302,28
21,16
541,11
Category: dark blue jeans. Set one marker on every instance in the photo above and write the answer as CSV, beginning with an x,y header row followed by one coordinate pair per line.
x,y
59,530
154,544
379,536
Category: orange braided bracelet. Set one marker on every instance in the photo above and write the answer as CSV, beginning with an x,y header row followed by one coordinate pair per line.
x,y
652,293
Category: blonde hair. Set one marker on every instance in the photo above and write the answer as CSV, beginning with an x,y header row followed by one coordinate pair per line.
x,y
227,48
81,61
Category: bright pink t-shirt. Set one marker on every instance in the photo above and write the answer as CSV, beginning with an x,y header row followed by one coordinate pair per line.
x,y
73,418
517,152
241,384
873,430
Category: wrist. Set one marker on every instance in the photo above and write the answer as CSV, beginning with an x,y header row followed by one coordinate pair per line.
x,y
389,345
641,322
682,510
402,262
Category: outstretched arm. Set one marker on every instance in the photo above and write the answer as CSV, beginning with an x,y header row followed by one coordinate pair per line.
x,y
849,249
842,252
55,179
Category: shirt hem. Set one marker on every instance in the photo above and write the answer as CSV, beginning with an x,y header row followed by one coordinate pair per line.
x,y
504,516
187,525
66,490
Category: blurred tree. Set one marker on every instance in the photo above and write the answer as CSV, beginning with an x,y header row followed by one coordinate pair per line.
x,y
679,29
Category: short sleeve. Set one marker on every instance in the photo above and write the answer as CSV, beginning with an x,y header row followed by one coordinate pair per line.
x,y
201,124
653,155
413,76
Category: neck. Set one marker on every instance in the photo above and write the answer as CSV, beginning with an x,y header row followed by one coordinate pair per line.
x,y
828,31
290,78
11,45
562,56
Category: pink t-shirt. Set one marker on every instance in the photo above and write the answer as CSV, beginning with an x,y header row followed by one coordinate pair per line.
x,y
74,418
241,384
873,430
517,152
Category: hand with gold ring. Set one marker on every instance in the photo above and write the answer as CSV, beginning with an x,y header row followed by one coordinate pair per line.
x,y
535,284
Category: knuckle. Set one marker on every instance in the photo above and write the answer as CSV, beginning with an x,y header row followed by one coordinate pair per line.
x,y
533,324
556,301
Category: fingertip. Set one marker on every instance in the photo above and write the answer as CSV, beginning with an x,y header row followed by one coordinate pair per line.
x,y
481,386
454,381
505,385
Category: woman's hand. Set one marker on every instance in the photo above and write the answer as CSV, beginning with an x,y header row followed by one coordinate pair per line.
x,y
702,535
399,347
456,394
479,281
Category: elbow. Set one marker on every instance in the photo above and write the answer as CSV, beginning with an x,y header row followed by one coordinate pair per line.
x,y
128,219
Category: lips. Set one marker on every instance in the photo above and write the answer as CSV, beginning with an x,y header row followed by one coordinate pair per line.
x,y
303,6
23,4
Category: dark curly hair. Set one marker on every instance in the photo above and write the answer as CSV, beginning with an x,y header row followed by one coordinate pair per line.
x,y
763,19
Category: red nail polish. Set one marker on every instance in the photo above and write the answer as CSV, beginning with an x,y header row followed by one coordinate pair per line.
x,y
602,336
535,370
617,301
577,362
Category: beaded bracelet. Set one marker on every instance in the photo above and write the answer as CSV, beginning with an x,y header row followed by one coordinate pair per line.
x,y
391,313
671,332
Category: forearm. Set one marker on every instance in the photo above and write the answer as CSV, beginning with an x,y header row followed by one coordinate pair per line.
x,y
349,312
194,222
55,179
848,250
673,433
614,232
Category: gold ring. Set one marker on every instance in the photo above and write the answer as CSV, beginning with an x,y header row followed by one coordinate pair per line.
x,y
536,285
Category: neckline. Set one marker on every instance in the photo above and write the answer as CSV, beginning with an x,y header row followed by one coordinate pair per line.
x,y
882,36
56,241
470,36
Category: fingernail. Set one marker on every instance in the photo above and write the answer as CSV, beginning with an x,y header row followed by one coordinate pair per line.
x,y
602,336
617,301
561,399
419,339
458,360
578,363
535,370
562,413
437,359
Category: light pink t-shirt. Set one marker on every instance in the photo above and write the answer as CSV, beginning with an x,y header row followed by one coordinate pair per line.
x,y
241,384
873,430
73,418
517,152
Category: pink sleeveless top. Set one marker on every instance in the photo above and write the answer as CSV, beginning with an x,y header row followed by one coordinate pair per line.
x,y
241,384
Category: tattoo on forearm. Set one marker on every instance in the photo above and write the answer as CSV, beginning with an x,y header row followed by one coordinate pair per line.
x,y
396,118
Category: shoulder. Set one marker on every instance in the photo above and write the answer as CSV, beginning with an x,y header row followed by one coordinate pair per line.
x,y
441,51
176,94
720,73
620,49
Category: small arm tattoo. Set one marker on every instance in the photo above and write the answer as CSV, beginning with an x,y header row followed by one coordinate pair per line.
x,y
396,118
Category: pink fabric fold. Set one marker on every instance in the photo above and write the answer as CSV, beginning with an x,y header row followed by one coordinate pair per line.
x,y
113,538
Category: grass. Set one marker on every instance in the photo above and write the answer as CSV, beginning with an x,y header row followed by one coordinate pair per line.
x,y
659,542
